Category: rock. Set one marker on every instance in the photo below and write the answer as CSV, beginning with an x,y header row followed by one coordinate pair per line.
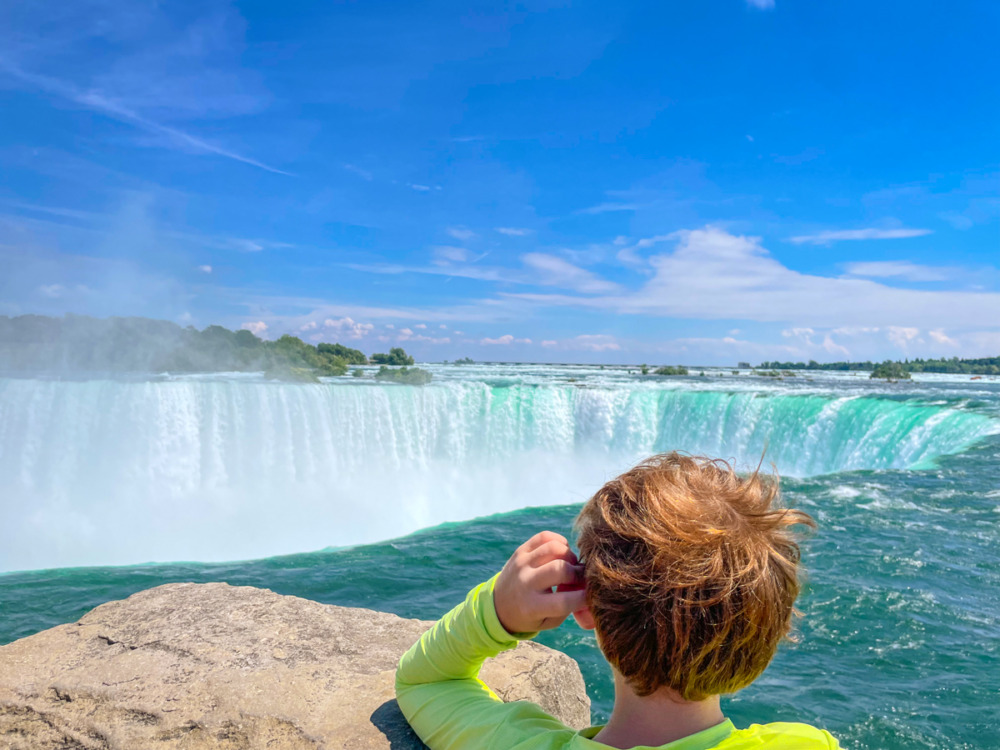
x,y
192,666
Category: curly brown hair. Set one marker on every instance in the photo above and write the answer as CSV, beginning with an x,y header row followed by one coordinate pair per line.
x,y
691,573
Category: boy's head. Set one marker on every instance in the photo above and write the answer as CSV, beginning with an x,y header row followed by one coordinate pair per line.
x,y
691,574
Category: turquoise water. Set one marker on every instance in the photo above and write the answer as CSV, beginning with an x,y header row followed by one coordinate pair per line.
x,y
901,622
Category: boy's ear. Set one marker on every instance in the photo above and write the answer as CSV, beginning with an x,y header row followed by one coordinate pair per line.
x,y
584,619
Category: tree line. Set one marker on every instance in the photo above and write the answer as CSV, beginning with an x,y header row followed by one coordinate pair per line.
x,y
78,343
980,366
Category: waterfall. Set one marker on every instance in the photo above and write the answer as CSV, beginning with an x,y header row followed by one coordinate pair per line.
x,y
106,471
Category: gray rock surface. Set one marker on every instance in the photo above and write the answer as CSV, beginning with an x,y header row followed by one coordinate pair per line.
x,y
192,666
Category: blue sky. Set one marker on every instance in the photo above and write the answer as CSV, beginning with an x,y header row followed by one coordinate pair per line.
x,y
540,181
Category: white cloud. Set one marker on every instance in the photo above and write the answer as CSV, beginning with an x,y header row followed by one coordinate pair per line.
x,y
549,344
504,340
347,328
421,326
630,255
714,275
803,334
903,336
558,272
832,347
513,231
52,291
442,326
647,242
461,233
594,343
450,253
310,326
257,328
940,337
419,188
407,334
749,138
870,233
899,269
761,4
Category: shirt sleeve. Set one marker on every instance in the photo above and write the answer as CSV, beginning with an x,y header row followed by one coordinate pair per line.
x,y
441,695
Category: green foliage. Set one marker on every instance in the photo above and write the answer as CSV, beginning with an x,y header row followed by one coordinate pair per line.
x,y
890,371
350,356
75,343
358,373
671,370
396,356
644,369
981,366
407,375
465,361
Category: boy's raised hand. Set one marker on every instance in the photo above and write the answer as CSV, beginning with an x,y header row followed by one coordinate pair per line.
x,y
523,594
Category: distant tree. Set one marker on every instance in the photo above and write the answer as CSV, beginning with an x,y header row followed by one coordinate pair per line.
x,y
396,356
351,356
644,369
671,370
890,371
406,375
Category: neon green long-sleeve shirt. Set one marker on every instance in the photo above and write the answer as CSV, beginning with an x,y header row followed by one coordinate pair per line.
x,y
450,708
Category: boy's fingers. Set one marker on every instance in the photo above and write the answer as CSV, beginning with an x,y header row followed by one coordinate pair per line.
x,y
552,550
541,538
556,573
564,603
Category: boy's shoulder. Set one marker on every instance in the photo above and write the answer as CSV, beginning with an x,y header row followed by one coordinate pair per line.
x,y
780,735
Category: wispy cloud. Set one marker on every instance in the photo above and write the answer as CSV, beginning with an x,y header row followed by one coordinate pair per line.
x,y
761,4
364,174
240,244
555,271
460,233
603,208
98,102
513,231
450,254
540,269
870,233
900,269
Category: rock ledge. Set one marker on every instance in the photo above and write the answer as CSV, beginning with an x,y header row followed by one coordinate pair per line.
x,y
192,666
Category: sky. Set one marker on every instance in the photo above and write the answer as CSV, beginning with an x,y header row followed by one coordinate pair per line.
x,y
673,182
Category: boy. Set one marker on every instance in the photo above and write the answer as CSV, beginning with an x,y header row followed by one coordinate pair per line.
x,y
688,573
